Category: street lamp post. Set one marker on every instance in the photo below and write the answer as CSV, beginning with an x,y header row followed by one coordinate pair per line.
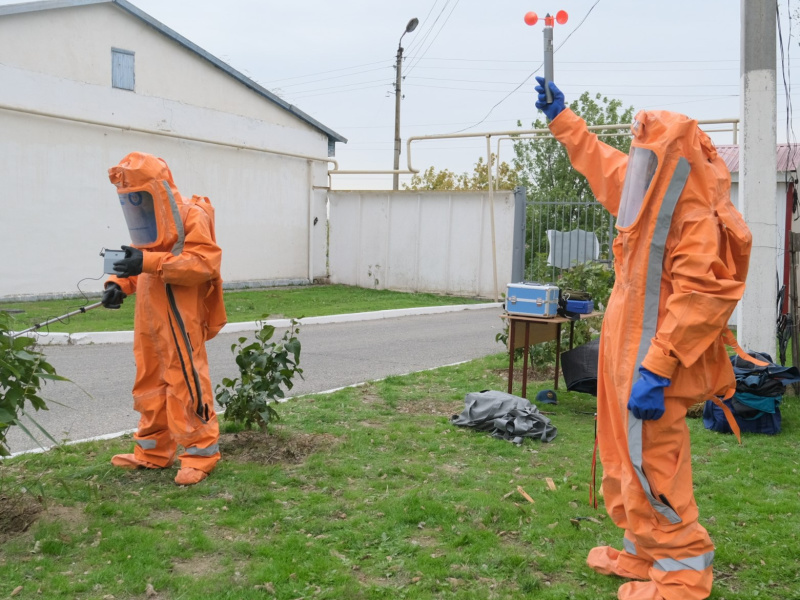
x,y
411,26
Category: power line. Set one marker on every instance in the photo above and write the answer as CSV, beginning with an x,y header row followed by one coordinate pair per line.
x,y
420,40
329,71
424,23
589,62
421,56
473,89
627,85
334,77
415,125
650,64
334,90
338,77
649,69
300,93
532,74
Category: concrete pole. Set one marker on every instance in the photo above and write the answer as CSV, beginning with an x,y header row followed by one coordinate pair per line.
x,y
756,327
397,97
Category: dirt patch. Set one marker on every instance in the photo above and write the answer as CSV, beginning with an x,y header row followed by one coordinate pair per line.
x,y
425,541
17,513
369,396
269,449
197,566
73,517
430,407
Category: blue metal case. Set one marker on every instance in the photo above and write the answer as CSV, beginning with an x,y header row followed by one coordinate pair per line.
x,y
532,299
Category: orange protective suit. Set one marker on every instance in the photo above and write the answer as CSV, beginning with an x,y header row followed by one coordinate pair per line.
x,y
669,307
179,307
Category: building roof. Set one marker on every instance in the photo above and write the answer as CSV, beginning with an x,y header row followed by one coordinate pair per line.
x,y
788,157
25,7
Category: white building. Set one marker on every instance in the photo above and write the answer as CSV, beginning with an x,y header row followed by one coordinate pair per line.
x,y
85,82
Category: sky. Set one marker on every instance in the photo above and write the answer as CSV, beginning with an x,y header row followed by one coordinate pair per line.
x,y
468,67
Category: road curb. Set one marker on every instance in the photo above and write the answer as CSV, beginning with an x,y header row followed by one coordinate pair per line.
x,y
126,337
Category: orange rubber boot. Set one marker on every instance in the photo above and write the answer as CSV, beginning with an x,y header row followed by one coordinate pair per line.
x,y
606,561
639,590
129,461
190,476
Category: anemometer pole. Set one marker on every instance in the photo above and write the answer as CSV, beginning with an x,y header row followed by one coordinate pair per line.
x,y
547,33
561,17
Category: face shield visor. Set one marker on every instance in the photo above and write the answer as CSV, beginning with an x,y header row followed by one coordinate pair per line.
x,y
140,215
642,165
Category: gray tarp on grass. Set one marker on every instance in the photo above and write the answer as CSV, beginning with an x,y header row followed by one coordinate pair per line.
x,y
505,416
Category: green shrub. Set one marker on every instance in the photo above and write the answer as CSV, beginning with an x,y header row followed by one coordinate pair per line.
x,y
265,368
23,372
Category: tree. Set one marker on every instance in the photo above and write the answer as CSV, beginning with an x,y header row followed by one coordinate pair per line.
x,y
433,180
542,164
559,197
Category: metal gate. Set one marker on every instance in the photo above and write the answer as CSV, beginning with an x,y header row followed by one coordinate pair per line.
x,y
560,235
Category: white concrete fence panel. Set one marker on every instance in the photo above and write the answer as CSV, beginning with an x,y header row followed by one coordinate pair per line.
x,y
438,242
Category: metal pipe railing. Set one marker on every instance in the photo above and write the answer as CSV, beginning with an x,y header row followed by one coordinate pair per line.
x,y
509,135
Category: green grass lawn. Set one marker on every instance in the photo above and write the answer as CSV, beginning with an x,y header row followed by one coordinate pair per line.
x,y
300,301
370,493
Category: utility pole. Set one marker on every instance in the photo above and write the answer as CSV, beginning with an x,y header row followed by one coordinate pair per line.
x,y
756,326
397,97
411,26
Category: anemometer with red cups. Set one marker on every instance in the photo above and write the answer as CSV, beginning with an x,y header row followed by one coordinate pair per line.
x,y
531,18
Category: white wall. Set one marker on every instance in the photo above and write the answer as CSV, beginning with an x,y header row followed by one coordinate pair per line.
x,y
57,207
422,242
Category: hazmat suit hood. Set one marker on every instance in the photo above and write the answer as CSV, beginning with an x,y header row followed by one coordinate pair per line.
x,y
149,201
667,147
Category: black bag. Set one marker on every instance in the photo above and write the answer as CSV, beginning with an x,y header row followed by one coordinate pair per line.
x,y
575,294
579,367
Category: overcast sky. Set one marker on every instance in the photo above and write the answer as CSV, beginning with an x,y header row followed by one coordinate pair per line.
x,y
468,61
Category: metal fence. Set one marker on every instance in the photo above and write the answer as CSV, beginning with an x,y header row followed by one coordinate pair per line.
x,y
560,235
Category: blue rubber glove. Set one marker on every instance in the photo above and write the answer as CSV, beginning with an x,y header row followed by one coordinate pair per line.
x,y
551,110
647,396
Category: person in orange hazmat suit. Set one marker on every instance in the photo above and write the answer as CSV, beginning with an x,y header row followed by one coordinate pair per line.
x,y
661,347
173,265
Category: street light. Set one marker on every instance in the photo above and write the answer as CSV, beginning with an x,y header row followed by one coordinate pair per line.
x,y
411,26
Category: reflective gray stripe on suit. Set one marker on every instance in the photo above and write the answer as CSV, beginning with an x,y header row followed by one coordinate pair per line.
x,y
146,444
655,266
210,451
695,563
176,215
629,546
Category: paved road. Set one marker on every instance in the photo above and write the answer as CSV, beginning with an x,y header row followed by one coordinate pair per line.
x,y
98,402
